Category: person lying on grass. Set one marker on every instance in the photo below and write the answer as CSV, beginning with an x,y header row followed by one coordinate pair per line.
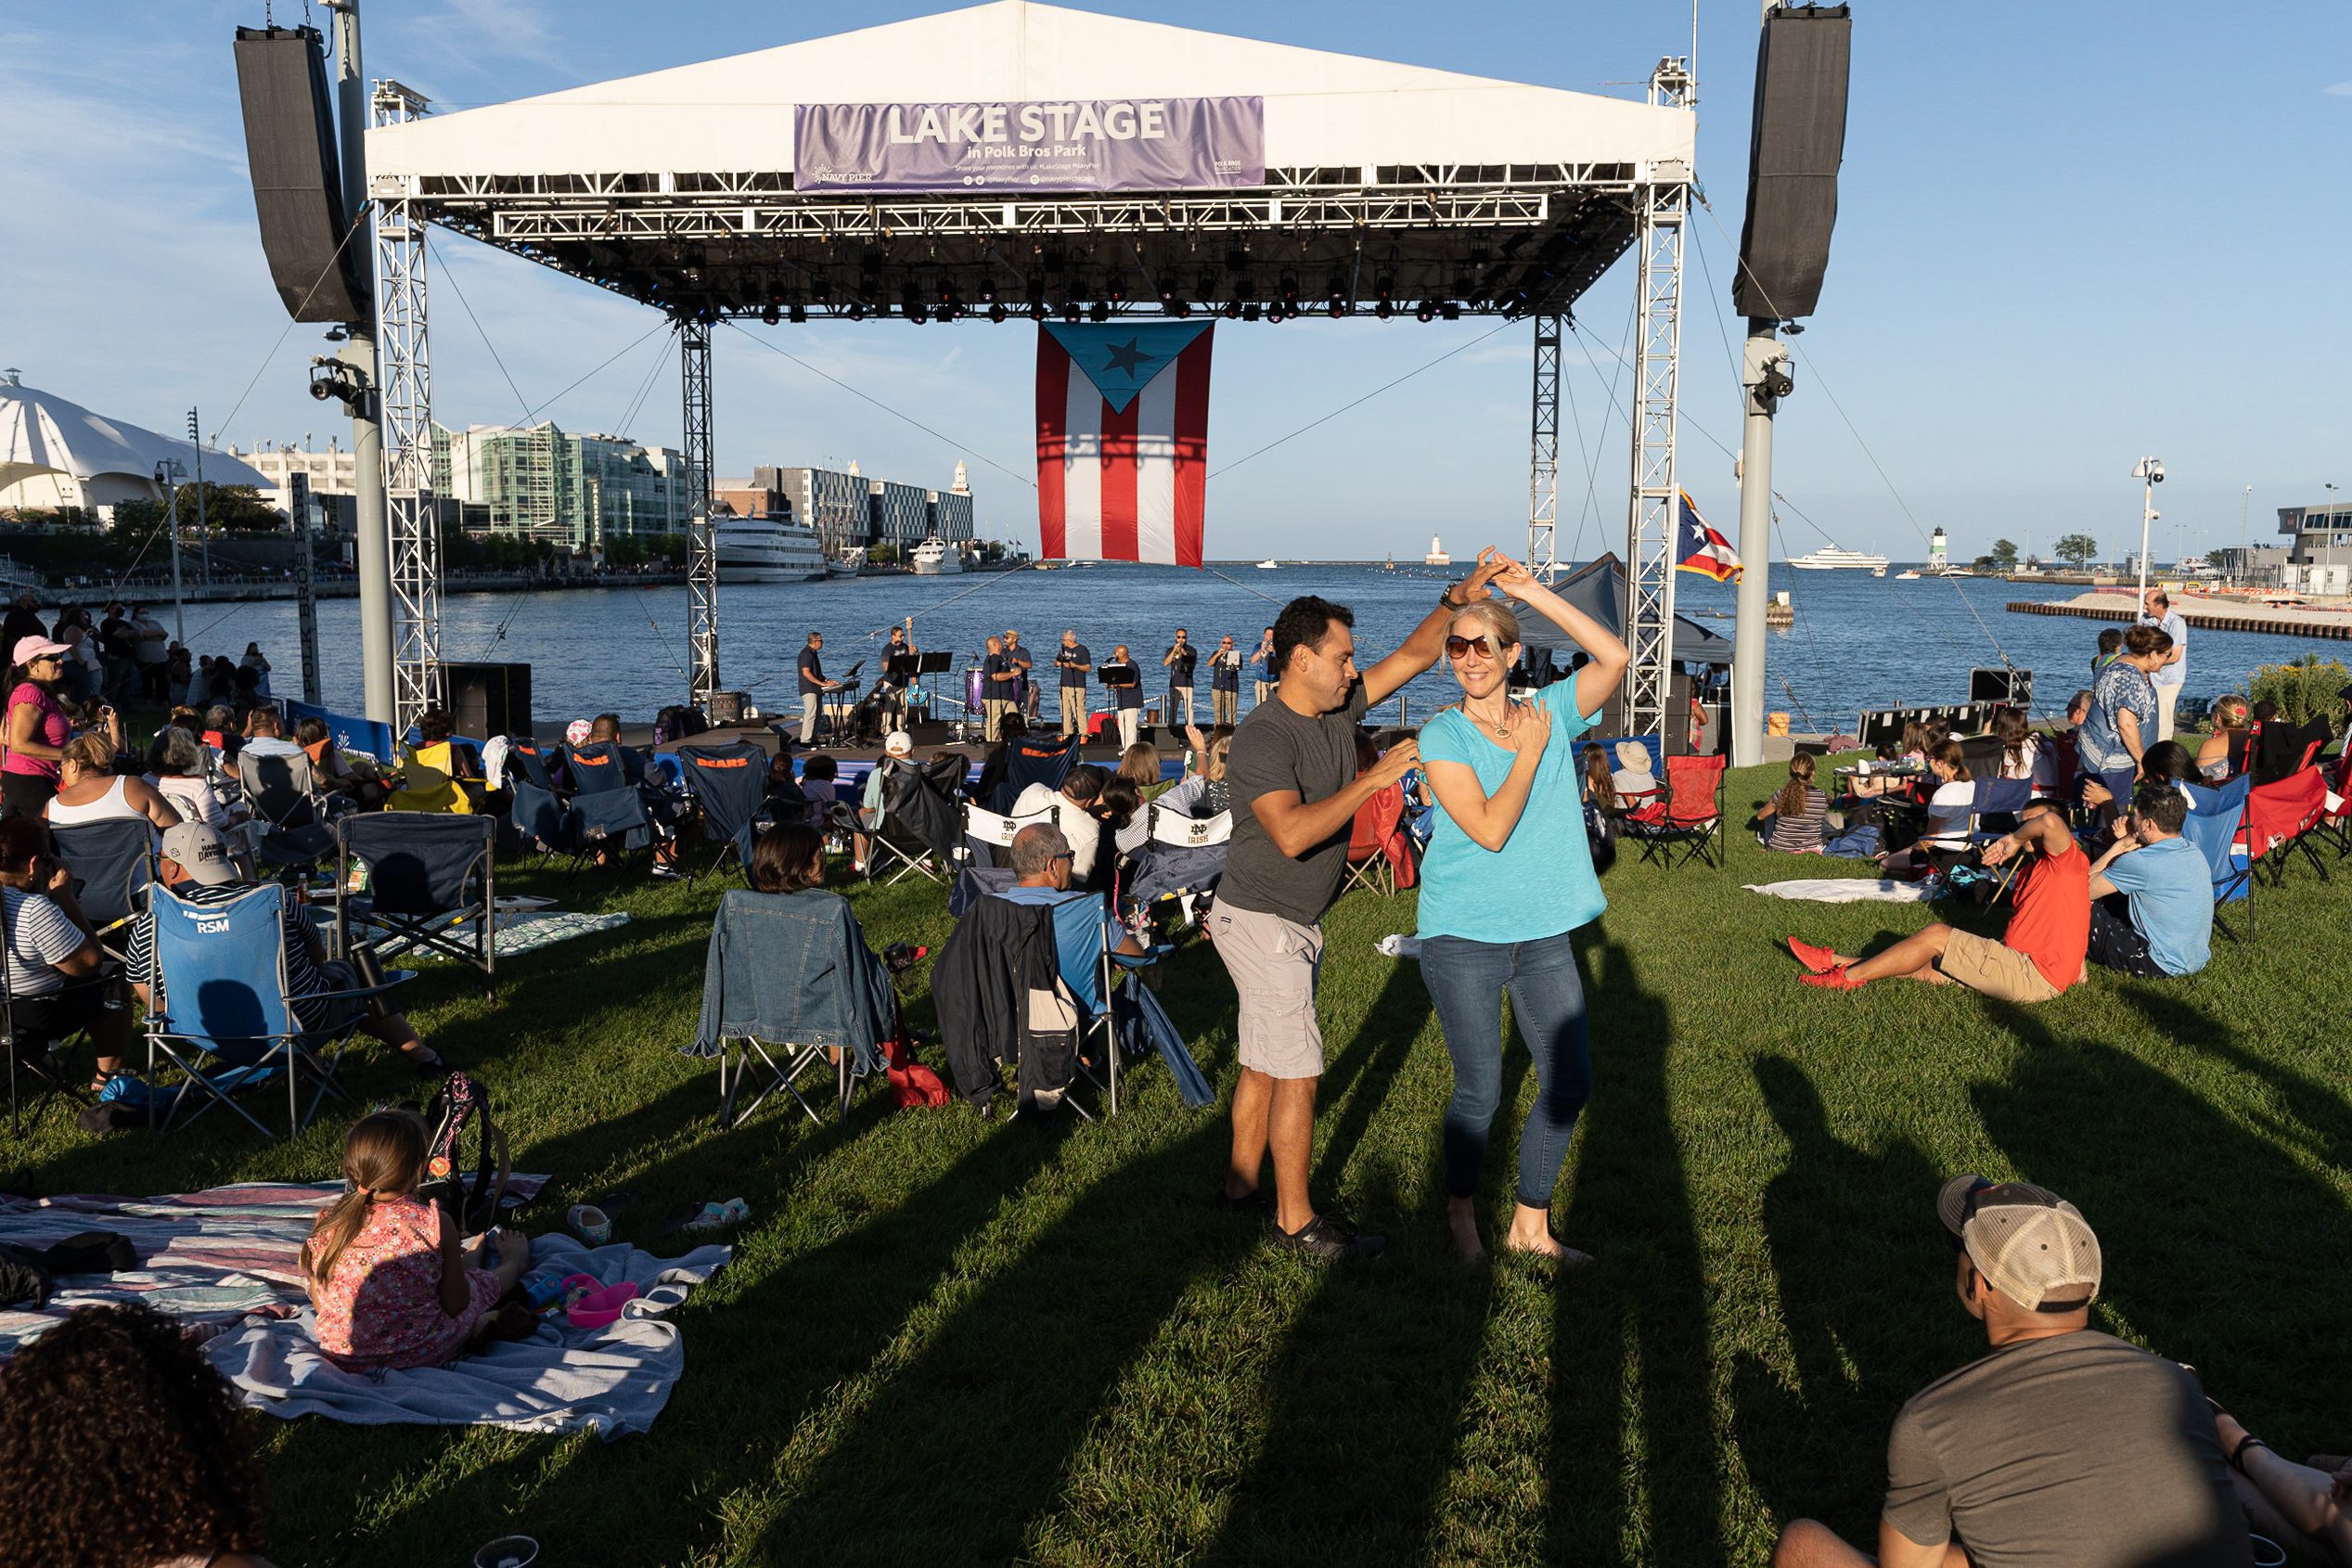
x,y
2039,956
2063,1448
393,1281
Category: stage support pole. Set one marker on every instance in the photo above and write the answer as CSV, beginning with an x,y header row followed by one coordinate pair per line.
x,y
371,528
703,548
1755,545
1543,457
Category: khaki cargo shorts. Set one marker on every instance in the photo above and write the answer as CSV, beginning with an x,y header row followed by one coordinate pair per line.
x,y
1274,963
2004,973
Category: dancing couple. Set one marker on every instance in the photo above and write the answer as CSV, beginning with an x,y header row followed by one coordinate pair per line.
x,y
1506,879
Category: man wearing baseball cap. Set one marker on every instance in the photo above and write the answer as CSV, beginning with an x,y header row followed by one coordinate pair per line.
x,y
198,869
2063,1448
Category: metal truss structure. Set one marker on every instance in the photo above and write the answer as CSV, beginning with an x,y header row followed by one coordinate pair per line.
x,y
405,372
1543,465
1434,241
702,544
1649,528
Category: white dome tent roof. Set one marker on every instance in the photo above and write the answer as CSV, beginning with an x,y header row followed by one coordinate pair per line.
x,y
54,452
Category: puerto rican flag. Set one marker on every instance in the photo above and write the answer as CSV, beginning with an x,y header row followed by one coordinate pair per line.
x,y
1122,440
1700,548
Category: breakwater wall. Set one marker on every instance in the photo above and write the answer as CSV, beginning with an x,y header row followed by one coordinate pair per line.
x,y
2283,621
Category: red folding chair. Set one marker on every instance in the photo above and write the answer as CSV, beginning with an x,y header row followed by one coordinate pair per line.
x,y
1368,859
1692,823
2335,825
2280,819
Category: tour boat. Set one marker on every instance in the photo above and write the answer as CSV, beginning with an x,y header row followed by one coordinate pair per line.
x,y
1907,576
759,549
1831,558
935,558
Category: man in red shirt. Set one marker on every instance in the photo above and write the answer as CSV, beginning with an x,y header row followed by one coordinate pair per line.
x,y
2039,956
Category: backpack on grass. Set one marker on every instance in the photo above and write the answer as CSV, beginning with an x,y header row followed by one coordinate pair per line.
x,y
461,1104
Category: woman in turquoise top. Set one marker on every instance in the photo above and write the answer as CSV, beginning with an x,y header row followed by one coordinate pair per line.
x,y
1507,879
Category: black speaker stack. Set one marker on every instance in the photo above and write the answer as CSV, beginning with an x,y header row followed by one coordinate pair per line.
x,y
1795,144
487,699
298,187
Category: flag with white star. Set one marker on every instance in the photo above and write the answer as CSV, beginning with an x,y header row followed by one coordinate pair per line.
x,y
1122,440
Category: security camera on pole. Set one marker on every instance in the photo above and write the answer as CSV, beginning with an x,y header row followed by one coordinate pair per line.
x,y
2150,472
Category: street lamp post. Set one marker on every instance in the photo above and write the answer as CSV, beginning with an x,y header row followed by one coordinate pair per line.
x,y
2150,472
167,472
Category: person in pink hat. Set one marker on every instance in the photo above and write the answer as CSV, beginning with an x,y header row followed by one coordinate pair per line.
x,y
37,727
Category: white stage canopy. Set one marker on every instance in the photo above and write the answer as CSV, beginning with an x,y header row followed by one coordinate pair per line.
x,y
54,452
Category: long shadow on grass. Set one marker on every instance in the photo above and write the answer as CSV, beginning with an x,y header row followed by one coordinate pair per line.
x,y
1634,1471
2317,1104
2218,1248
1366,1394
1865,1289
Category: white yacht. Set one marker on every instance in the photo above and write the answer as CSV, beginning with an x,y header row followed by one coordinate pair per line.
x,y
759,549
1436,555
1831,558
935,558
1268,566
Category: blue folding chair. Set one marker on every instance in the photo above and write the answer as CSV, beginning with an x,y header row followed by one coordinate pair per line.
x,y
432,886
607,809
1087,956
1035,759
217,993
1996,797
2211,824
527,761
727,784
113,864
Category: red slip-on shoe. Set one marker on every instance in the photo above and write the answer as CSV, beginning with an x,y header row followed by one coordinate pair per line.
x,y
1835,979
1821,960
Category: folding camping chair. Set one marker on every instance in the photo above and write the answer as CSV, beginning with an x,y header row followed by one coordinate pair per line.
x,y
35,1058
217,989
921,822
528,761
754,935
2335,824
2280,818
2211,824
1183,857
607,809
1087,956
2054,769
430,887
1693,821
727,784
1035,759
113,864
988,835
1367,840
288,806
1994,798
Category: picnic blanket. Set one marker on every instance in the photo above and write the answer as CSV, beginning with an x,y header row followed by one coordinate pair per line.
x,y
224,1263
515,932
1846,890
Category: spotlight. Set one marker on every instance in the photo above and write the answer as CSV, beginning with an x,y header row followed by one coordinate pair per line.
x,y
945,313
1384,310
1290,288
1338,307
1037,309
1101,312
771,315
1233,309
1167,291
997,312
1179,308
1118,291
857,310
798,314
1249,310
1070,311
1276,315
1450,311
1426,310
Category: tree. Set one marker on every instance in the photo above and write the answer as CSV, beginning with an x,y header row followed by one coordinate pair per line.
x,y
1984,563
228,505
882,555
2074,549
2005,555
2033,563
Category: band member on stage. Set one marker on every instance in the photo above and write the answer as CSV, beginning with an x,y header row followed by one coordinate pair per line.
x,y
1076,664
1224,683
814,686
1124,679
1025,691
1268,670
1179,661
900,671
996,685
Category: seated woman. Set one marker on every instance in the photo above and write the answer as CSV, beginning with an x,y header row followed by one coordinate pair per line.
x,y
2223,756
334,774
788,862
1204,791
1947,811
166,1430
393,1281
1120,810
429,770
90,791
1797,812
2019,743
175,762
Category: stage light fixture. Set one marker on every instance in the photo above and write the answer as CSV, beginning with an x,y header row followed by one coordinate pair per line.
x,y
1167,289
1101,311
1426,310
798,314
1384,309
857,310
1249,310
997,312
946,313
1337,306
1181,309
1449,311
1290,288
1233,309
1118,290
1069,313
771,315
1038,311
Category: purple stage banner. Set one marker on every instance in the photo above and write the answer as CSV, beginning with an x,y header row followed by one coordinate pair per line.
x,y
1119,144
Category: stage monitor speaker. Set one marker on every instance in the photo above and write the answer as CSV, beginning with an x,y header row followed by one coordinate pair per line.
x,y
924,732
2014,687
726,708
1795,143
487,699
298,188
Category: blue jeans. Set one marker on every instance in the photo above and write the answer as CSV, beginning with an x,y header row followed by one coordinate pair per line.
x,y
1466,981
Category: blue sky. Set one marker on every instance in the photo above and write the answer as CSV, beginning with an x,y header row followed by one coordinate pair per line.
x,y
2069,235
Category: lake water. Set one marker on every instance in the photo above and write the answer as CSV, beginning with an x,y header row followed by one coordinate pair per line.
x,y
1858,642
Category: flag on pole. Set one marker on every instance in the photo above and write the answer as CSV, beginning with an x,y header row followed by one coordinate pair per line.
x,y
1122,440
1700,548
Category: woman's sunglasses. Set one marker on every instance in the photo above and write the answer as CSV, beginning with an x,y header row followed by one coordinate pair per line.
x,y
1458,646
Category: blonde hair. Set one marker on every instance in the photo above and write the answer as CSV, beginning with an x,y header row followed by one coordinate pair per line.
x,y
2230,713
1213,765
383,1157
1500,623
1790,802
94,752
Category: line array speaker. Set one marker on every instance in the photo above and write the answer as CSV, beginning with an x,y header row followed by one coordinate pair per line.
x,y
1795,144
487,699
298,189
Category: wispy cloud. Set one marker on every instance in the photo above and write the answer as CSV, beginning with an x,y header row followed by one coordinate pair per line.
x,y
2341,90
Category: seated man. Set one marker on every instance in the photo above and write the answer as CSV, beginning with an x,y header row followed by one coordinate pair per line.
x,y
266,735
1072,812
197,870
2038,955
2064,1446
54,983
2154,914
1042,874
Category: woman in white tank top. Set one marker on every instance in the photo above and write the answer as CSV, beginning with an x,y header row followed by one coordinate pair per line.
x,y
90,791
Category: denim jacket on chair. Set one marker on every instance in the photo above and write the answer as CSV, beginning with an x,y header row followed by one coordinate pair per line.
x,y
793,968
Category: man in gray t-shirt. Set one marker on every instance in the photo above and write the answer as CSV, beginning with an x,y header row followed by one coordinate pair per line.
x,y
2063,1448
1296,794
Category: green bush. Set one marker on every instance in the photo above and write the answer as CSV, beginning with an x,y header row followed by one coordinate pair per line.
x,y
2304,690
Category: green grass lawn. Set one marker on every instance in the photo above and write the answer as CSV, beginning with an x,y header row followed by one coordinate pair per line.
x,y
945,1340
